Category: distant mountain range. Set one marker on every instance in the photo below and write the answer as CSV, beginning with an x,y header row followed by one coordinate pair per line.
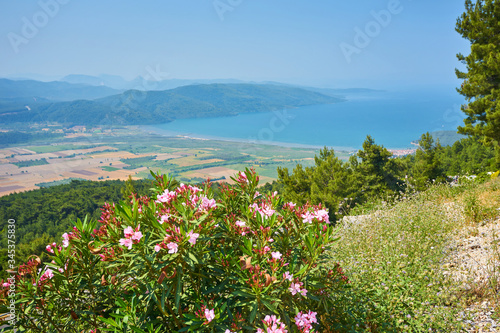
x,y
55,90
139,83
85,104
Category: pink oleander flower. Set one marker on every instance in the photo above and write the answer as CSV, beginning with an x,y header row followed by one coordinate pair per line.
x,y
242,177
137,236
170,195
267,211
48,274
264,210
6,285
157,248
164,218
276,255
209,315
166,196
193,237
131,236
297,288
294,288
207,204
240,223
288,276
304,321
50,248
172,247
308,217
65,237
194,189
322,215
267,249
126,242
128,232
273,325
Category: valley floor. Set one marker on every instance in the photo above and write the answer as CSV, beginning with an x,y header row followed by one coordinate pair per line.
x,y
116,154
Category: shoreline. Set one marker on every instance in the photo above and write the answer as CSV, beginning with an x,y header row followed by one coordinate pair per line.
x,y
193,136
172,134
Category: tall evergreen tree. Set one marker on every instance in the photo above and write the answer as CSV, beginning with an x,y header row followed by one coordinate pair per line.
x,y
328,182
480,24
376,168
428,166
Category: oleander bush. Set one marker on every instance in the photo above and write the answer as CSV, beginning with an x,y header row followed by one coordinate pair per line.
x,y
180,261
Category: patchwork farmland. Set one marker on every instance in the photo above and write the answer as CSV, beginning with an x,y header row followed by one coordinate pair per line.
x,y
120,155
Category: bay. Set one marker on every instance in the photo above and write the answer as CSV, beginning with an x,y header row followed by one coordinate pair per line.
x,y
393,119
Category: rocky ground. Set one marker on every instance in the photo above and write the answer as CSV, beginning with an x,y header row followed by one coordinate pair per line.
x,y
474,262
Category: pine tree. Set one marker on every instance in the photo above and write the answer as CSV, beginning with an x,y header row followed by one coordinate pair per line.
x,y
428,167
129,189
376,168
480,24
328,182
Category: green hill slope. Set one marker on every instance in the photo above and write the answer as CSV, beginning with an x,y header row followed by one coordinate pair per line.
x,y
140,107
55,91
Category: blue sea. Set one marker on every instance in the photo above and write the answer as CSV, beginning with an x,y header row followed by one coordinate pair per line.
x,y
393,119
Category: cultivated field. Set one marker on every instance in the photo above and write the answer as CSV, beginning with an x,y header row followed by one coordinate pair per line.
x,y
121,153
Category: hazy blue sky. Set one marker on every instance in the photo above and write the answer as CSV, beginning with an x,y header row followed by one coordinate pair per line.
x,y
310,42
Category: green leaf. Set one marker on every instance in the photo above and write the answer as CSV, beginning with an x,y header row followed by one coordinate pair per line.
x,y
137,329
193,258
108,321
178,289
242,293
269,306
251,318
120,303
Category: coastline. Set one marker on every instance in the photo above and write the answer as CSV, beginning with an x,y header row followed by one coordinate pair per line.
x,y
193,136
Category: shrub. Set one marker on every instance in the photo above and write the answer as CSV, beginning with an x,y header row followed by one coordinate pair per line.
x,y
180,261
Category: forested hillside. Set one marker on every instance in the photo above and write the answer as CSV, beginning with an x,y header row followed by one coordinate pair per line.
x,y
43,215
373,175
140,107
32,90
